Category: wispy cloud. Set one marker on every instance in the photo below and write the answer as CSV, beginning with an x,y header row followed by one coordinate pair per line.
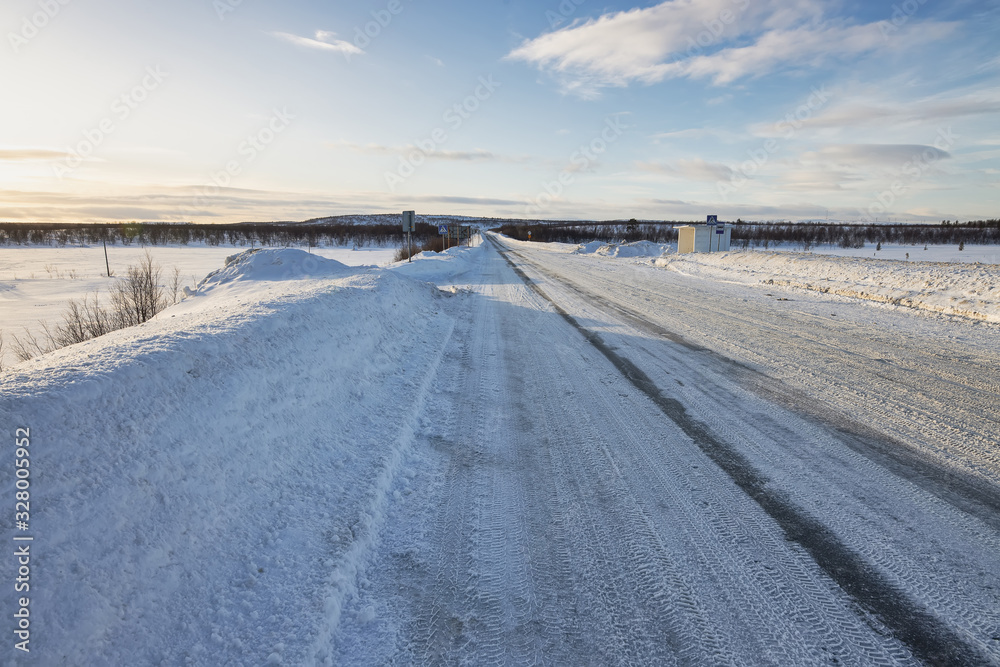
x,y
476,155
721,99
839,167
696,133
878,154
31,154
324,41
690,170
166,204
866,109
720,40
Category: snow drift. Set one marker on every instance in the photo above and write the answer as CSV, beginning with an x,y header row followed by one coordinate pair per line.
x,y
624,250
967,290
218,473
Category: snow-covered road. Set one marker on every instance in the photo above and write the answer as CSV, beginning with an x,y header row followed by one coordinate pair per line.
x,y
572,460
626,471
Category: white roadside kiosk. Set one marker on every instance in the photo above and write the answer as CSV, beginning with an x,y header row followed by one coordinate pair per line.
x,y
714,236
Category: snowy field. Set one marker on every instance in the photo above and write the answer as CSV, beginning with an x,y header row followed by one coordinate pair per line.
x,y
965,290
517,453
941,280
986,254
36,282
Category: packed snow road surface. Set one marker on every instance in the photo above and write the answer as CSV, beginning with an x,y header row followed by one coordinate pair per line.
x,y
552,459
604,491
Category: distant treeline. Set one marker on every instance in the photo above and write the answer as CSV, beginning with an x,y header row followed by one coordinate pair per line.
x,y
577,232
764,234
383,230
248,234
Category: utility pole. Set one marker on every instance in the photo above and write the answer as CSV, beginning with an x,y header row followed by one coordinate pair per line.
x,y
107,265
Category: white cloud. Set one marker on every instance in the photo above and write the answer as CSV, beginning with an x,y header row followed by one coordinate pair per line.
x,y
690,133
325,41
879,154
838,167
476,155
695,169
615,48
31,154
721,40
865,109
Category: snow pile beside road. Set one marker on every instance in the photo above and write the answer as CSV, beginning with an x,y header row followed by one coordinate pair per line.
x,y
624,250
272,265
440,266
968,290
589,248
209,484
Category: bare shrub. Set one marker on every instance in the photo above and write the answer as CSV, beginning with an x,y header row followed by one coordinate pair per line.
x,y
435,243
138,297
83,321
30,346
135,299
175,285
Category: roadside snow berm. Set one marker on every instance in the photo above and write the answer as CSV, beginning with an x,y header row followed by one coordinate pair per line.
x,y
276,264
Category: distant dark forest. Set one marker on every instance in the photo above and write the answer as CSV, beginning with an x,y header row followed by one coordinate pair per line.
x,y
765,234
384,230
312,233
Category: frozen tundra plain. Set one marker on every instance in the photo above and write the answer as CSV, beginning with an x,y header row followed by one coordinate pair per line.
x,y
521,454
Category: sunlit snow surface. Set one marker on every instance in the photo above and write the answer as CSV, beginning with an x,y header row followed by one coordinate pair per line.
x,y
36,282
306,462
177,465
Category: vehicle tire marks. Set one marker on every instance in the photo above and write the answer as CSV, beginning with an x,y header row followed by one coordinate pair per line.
x,y
930,639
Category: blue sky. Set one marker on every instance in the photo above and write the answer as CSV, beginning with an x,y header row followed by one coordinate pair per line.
x,y
227,110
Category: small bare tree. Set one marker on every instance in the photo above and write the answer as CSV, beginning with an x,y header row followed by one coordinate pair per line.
x,y
135,299
83,321
139,297
175,285
30,346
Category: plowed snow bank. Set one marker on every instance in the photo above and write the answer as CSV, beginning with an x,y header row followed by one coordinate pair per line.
x,y
968,290
207,485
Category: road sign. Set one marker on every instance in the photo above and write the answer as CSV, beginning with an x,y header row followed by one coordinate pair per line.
x,y
408,221
713,219
720,229
442,230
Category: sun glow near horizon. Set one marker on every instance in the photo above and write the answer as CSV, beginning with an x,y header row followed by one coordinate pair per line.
x,y
228,111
